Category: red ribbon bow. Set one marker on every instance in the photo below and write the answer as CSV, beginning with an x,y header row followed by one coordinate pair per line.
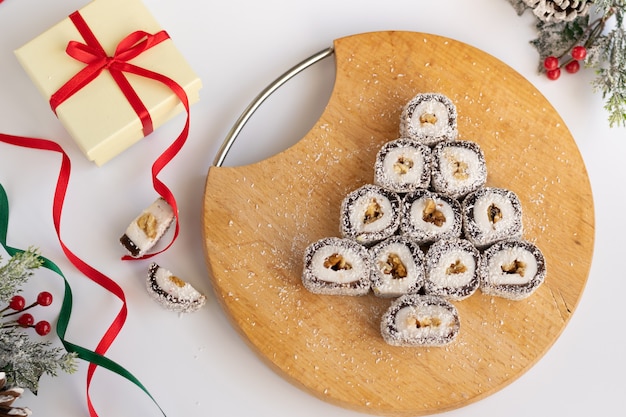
x,y
93,54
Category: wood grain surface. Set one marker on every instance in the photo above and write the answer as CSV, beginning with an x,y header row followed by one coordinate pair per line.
x,y
257,220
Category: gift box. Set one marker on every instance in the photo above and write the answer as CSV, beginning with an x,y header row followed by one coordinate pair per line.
x,y
100,116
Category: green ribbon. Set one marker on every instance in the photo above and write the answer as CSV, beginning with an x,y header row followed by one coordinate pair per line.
x,y
66,308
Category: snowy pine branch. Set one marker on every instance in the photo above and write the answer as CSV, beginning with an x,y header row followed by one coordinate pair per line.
x,y
16,272
597,26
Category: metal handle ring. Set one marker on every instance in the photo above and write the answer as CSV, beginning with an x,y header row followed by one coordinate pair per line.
x,y
230,138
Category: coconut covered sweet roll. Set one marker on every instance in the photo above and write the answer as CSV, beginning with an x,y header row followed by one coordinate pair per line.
x,y
491,214
172,292
336,266
429,216
452,269
403,165
458,168
147,229
420,320
370,214
397,267
512,269
429,118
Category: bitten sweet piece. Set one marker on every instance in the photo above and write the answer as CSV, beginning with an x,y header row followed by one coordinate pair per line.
x,y
402,165
452,269
397,267
458,168
336,266
146,230
420,320
429,118
491,214
370,214
428,216
172,292
512,269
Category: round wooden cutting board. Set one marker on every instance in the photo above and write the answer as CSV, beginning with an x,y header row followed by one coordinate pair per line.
x,y
258,219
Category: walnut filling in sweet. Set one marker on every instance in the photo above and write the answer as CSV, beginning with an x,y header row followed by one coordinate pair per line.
x,y
424,322
431,214
456,268
394,266
428,118
148,224
403,165
514,267
373,212
177,281
336,262
494,214
460,170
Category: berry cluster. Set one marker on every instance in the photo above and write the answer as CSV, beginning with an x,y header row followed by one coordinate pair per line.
x,y
553,64
26,320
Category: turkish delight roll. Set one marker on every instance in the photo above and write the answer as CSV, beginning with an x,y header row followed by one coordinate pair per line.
x,y
420,320
336,266
172,292
397,267
429,118
491,214
458,168
147,228
402,165
512,269
452,269
428,216
370,214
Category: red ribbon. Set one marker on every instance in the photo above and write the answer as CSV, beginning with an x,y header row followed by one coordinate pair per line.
x,y
97,60
93,54
87,270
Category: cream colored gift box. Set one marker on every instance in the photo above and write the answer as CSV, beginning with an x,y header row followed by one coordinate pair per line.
x,y
99,117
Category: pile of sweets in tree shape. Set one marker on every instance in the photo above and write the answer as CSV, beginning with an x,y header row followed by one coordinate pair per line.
x,y
427,232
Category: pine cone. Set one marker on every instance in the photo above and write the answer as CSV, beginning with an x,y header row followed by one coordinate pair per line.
x,y
7,397
559,10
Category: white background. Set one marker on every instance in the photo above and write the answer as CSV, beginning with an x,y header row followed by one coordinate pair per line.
x,y
197,364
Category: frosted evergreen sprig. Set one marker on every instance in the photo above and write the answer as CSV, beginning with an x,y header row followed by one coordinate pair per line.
x,y
24,361
16,272
599,29
611,77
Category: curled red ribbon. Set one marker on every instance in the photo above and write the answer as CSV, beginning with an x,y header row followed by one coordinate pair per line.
x,y
93,54
86,269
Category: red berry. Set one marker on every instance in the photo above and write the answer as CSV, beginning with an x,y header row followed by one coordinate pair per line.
x,y
44,298
551,63
579,53
554,74
26,320
572,67
17,303
42,328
